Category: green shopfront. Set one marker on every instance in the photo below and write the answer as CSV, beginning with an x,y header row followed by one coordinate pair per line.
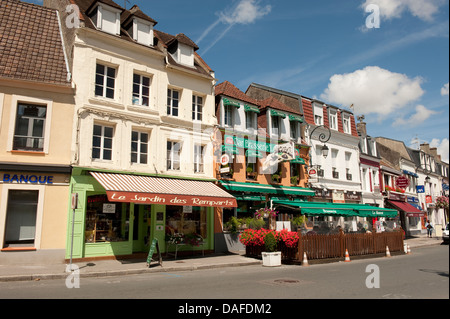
x,y
119,215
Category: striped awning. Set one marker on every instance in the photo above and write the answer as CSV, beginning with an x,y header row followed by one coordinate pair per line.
x,y
164,191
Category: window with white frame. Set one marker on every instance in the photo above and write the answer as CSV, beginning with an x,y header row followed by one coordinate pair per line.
x,y
173,155
275,126
139,147
105,79
173,98
318,114
198,158
142,31
333,120
107,19
228,115
30,126
141,90
197,108
346,123
102,142
294,130
250,120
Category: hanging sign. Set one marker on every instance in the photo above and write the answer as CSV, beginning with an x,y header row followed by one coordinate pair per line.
x,y
402,182
225,159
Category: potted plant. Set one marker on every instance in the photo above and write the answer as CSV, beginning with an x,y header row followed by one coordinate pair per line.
x,y
276,178
250,173
294,180
271,257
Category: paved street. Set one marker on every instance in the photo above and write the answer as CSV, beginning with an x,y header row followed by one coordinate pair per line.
x,y
422,275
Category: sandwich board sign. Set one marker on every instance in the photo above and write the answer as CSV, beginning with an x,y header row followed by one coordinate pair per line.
x,y
155,245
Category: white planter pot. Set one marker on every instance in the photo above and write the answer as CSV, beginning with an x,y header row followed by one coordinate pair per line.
x,y
271,259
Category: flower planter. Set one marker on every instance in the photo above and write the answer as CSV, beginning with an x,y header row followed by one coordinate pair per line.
x,y
271,259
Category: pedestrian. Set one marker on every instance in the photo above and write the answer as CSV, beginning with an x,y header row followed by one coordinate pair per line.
x,y
429,229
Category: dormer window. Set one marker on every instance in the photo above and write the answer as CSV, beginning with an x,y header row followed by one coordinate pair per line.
x,y
318,114
141,31
346,124
184,54
106,18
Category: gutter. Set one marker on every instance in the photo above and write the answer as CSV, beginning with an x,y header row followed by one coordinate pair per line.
x,y
69,74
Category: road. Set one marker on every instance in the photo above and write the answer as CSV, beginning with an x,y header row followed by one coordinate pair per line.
x,y
422,275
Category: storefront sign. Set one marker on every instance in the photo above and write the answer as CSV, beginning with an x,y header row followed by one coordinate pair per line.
x,y
167,199
428,199
249,144
27,179
352,197
338,197
225,159
412,199
396,196
420,189
109,208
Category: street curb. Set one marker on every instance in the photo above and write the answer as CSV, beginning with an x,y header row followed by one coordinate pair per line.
x,y
118,273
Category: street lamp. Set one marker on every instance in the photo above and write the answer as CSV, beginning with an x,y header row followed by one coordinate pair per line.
x,y
323,138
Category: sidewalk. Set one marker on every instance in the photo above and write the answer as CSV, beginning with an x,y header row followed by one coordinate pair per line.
x,y
132,267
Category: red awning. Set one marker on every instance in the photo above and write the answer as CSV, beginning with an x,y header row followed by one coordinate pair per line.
x,y
164,191
407,208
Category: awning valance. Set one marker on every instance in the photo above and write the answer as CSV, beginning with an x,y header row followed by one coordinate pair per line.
x,y
332,209
296,118
298,160
278,113
230,149
164,191
251,153
266,189
251,108
228,102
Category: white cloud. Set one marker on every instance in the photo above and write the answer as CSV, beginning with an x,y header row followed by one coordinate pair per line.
x,y
373,90
442,148
423,9
445,89
245,12
421,115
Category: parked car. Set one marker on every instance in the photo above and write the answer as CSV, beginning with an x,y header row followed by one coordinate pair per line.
x,y
445,234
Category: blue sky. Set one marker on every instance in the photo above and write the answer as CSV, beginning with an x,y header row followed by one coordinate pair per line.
x,y
397,75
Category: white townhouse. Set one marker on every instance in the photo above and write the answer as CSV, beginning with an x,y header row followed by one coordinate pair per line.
x,y
145,113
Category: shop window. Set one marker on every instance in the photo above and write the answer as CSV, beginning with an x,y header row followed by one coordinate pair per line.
x,y
30,128
106,221
186,220
21,216
295,174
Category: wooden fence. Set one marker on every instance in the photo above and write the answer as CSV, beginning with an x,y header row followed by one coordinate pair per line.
x,y
335,245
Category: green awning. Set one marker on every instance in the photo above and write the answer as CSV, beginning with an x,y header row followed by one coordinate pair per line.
x,y
296,118
298,160
251,153
230,149
251,108
249,198
331,209
227,102
266,189
278,113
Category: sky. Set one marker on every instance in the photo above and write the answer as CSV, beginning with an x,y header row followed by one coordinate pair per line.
x,y
387,58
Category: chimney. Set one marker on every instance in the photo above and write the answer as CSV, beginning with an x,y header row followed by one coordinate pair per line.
x,y
361,126
425,148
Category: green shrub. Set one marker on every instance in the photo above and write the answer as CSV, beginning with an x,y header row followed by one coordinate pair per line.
x,y
270,243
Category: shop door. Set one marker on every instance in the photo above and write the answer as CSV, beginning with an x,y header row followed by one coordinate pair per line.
x,y
141,228
21,213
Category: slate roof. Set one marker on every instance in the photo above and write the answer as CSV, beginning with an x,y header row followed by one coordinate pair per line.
x,y
31,48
